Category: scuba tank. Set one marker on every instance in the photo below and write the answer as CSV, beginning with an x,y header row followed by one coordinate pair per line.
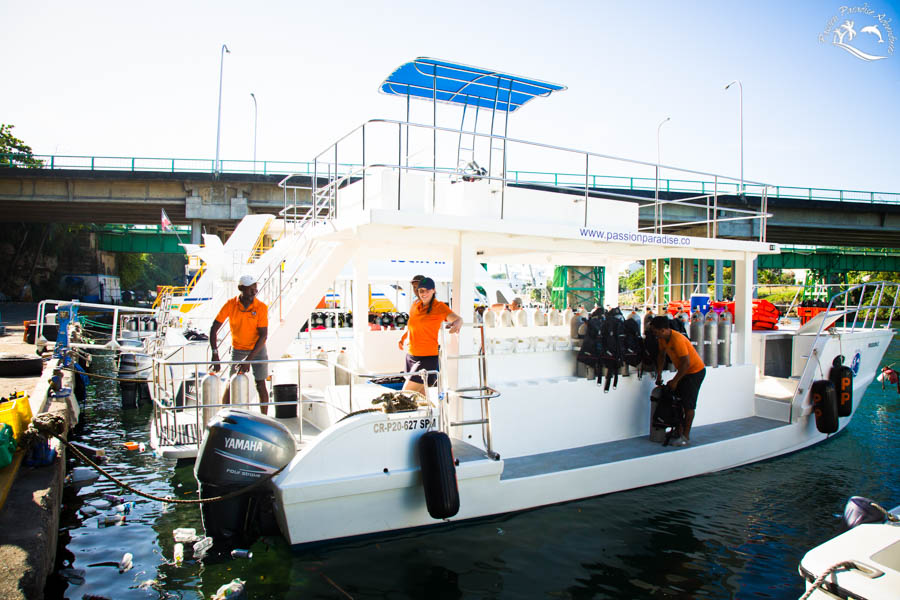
x,y
710,339
723,347
648,316
696,332
240,389
209,394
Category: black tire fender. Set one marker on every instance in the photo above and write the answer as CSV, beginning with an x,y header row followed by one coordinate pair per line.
x,y
20,365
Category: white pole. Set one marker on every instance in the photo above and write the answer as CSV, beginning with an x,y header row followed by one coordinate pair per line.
x,y
741,89
217,166
255,114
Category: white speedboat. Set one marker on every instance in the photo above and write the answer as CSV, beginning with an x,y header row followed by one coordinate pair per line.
x,y
862,563
511,425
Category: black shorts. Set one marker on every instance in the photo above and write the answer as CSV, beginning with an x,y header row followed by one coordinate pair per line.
x,y
689,388
418,363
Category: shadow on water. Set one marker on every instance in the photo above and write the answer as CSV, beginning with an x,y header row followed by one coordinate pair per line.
x,y
739,533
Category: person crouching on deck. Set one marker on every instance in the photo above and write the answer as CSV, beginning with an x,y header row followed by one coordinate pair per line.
x,y
425,319
249,322
689,375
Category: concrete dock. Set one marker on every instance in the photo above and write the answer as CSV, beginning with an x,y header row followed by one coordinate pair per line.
x,y
29,520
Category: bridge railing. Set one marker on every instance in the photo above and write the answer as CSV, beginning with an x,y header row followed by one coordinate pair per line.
x,y
268,167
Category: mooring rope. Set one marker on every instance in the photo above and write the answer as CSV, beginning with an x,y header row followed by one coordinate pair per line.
x,y
820,580
109,377
46,424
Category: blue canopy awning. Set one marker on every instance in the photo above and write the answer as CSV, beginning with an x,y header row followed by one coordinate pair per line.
x,y
454,83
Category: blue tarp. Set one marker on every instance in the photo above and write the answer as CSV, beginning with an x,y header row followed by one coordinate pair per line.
x,y
455,83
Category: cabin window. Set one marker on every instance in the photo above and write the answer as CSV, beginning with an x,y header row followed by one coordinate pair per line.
x,y
778,356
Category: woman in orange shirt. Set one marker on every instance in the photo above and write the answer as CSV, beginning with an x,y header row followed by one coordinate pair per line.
x,y
425,319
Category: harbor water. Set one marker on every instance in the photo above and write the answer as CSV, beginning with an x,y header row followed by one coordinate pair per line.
x,y
735,534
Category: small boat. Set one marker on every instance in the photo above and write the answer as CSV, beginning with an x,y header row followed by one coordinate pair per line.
x,y
862,563
512,423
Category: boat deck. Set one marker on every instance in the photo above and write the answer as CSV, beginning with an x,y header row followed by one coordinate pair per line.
x,y
620,450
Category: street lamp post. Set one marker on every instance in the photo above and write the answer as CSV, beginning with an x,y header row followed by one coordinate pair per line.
x,y
255,114
741,89
663,122
218,167
658,211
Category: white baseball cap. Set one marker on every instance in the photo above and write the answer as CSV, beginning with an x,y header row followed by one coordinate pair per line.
x,y
246,280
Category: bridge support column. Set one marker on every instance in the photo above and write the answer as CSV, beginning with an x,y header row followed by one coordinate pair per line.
x,y
689,279
720,266
702,276
676,272
196,230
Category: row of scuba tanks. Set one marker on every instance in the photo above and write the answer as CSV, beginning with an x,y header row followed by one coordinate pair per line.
x,y
139,323
330,320
710,335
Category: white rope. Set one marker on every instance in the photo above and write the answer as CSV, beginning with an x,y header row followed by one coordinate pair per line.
x,y
820,580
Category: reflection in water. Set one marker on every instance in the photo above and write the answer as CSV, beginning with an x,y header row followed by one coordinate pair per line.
x,y
739,533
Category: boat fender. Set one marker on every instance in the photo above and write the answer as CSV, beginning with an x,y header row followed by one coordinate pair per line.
x,y
825,405
842,378
438,475
860,510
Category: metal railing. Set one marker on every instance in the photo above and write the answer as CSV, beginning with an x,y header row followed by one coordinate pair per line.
x,y
306,168
168,385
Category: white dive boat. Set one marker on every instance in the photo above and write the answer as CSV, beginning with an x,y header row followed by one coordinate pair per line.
x,y
524,428
862,563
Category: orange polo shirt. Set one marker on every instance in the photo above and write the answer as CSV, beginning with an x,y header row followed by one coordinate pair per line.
x,y
677,348
424,326
244,322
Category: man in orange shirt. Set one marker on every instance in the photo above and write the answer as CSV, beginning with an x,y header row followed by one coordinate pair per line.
x,y
249,322
689,375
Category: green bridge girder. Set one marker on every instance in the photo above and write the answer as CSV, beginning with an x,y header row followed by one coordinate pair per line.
x,y
831,260
144,241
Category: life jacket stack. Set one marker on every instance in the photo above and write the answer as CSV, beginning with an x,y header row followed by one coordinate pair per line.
x,y
765,315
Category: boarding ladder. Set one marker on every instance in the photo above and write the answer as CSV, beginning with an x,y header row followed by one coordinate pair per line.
x,y
871,295
482,392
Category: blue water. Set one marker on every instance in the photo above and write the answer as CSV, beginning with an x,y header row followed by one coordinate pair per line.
x,y
736,534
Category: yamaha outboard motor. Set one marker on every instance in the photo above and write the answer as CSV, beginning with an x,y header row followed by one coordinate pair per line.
x,y
239,449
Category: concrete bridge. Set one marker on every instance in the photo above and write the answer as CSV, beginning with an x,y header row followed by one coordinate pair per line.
x,y
101,193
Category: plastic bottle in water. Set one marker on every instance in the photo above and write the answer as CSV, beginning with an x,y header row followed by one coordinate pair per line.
x,y
113,499
235,589
240,553
126,563
125,508
202,546
111,520
185,535
142,447
178,553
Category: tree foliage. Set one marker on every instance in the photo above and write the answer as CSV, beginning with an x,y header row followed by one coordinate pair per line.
x,y
14,152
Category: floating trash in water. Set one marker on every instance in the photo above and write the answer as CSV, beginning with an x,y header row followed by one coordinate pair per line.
x,y
178,554
100,504
113,499
187,535
88,511
149,583
131,445
126,563
82,476
125,508
111,521
231,591
240,553
201,547
142,447
73,576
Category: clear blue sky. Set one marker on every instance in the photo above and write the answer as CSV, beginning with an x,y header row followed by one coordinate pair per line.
x,y
138,79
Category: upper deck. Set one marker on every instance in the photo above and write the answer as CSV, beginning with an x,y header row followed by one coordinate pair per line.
x,y
434,181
